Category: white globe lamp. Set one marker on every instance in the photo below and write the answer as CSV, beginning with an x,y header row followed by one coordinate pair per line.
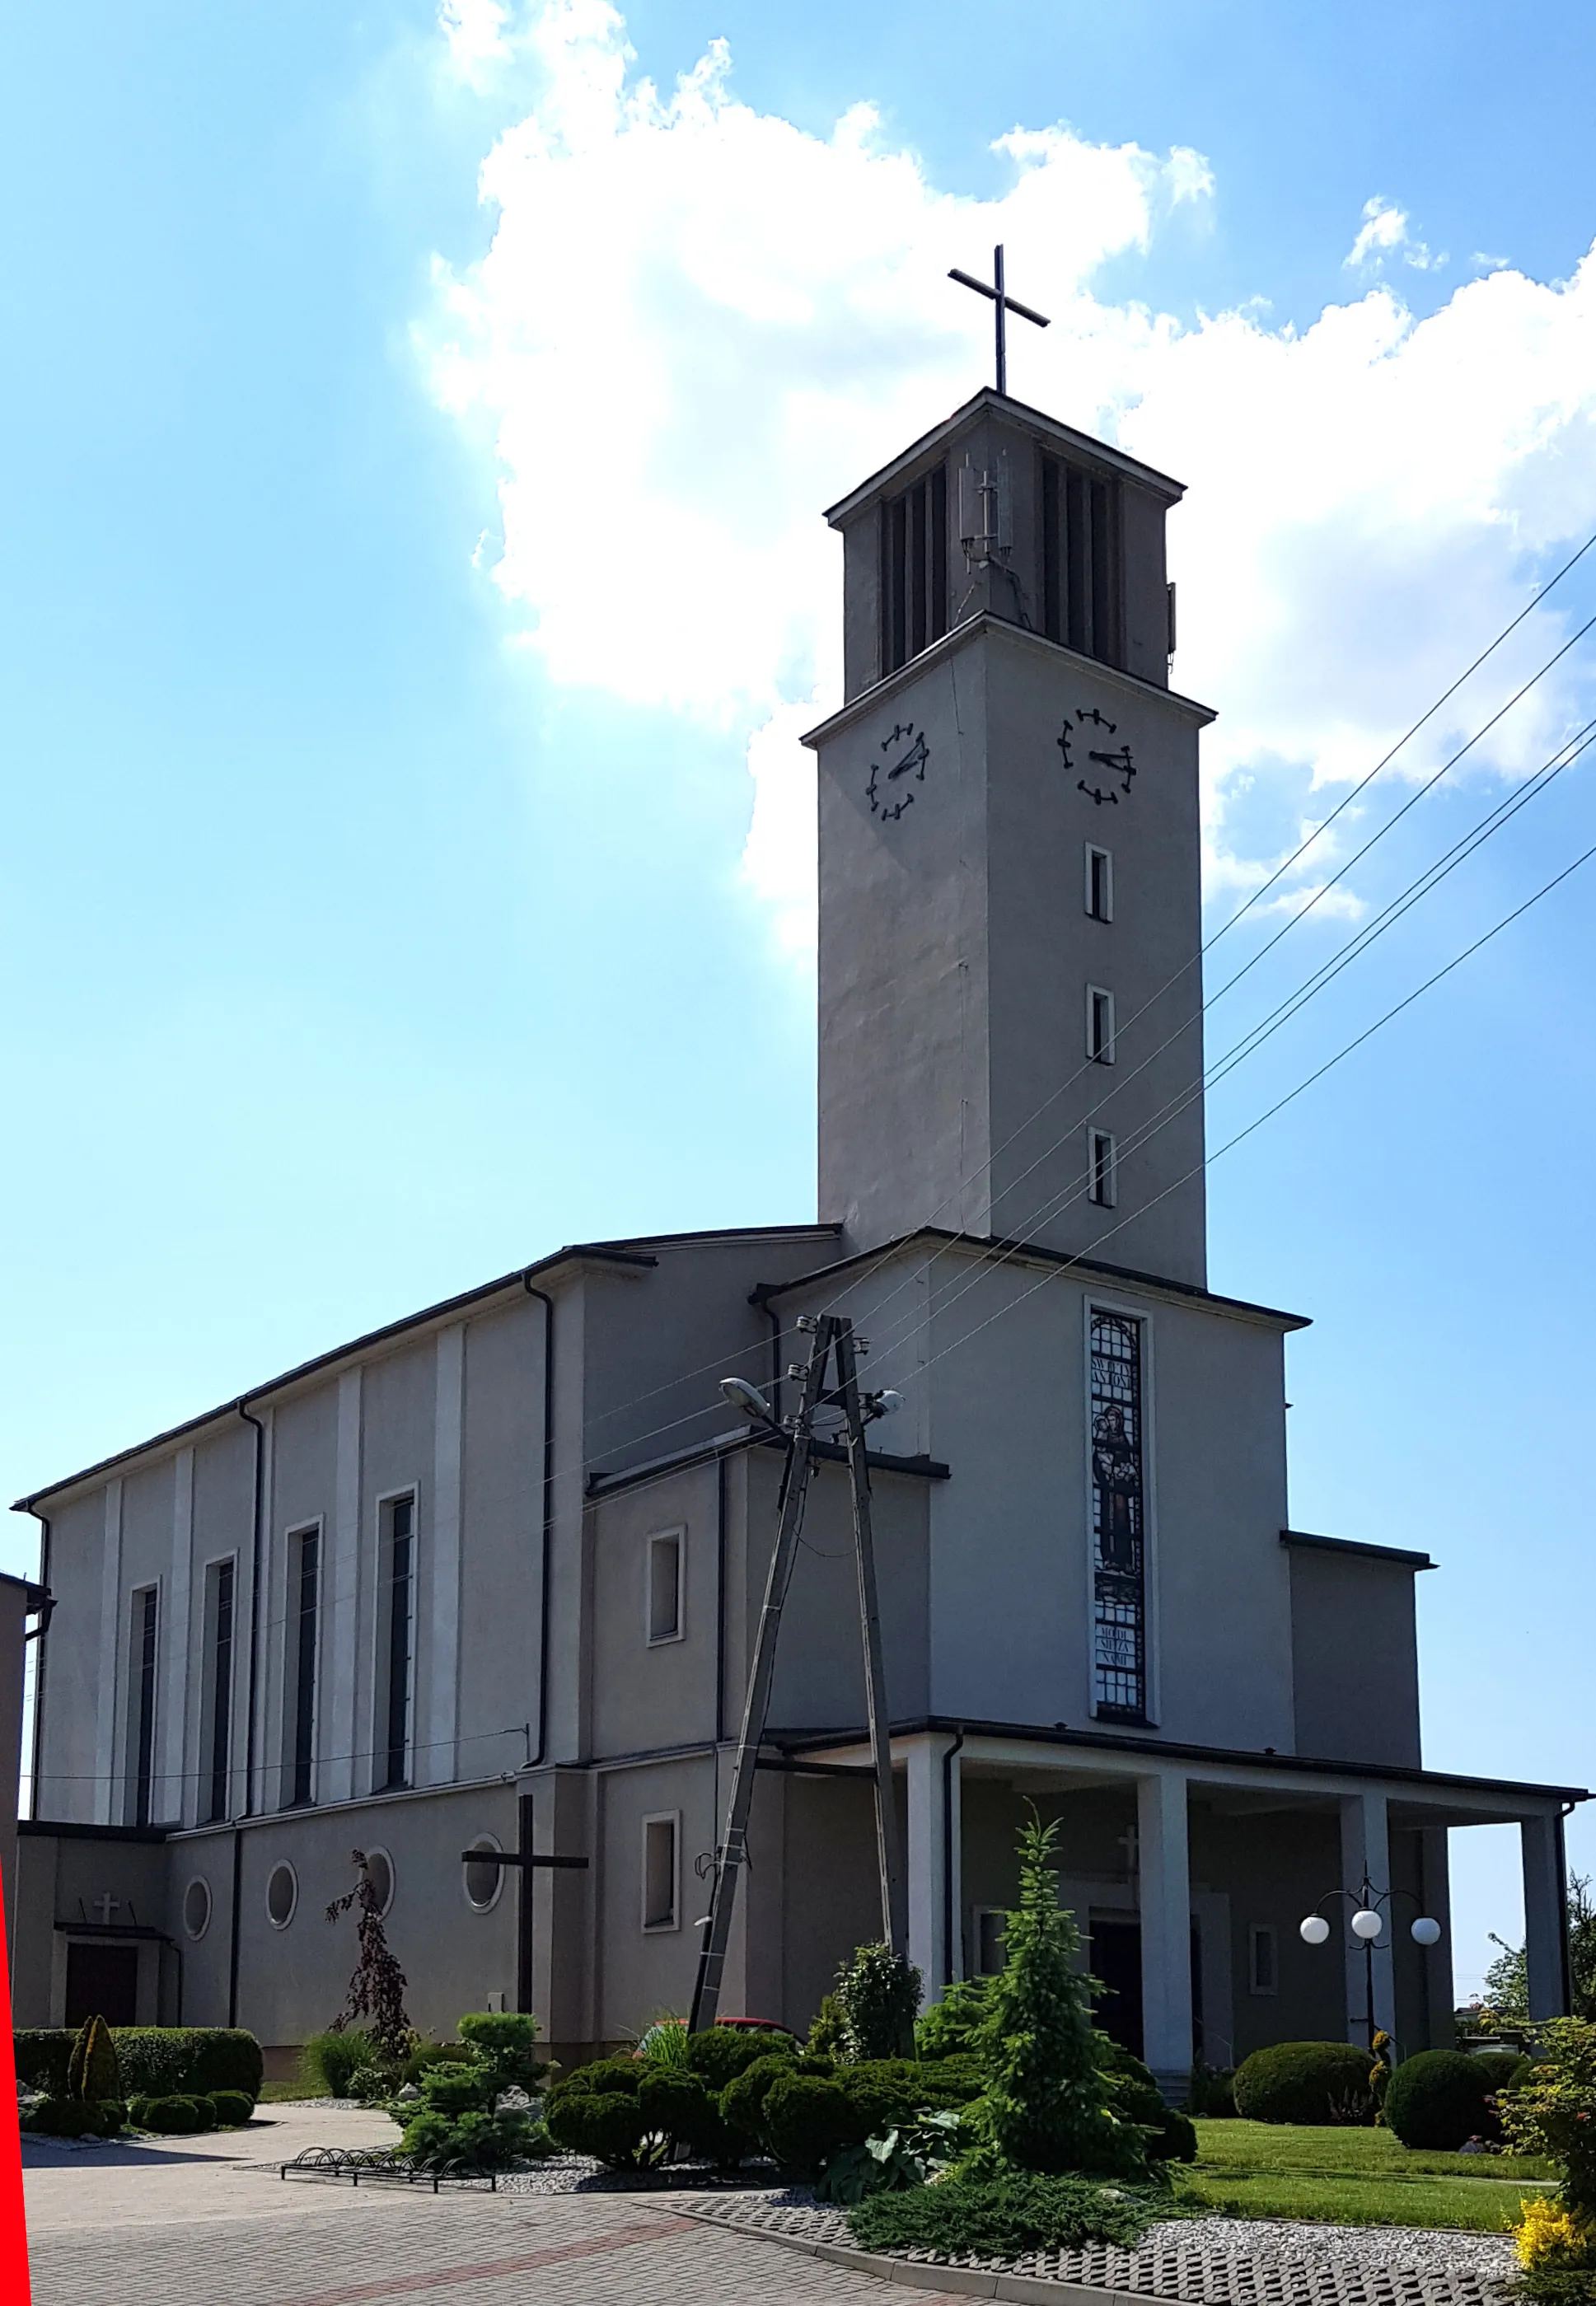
x,y
1426,1930
1313,1929
1366,1924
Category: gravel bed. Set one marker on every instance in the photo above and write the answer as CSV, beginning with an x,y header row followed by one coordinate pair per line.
x,y
1207,2261
577,2173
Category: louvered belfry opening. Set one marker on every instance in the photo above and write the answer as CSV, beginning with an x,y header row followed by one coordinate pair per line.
x,y
1082,561
914,569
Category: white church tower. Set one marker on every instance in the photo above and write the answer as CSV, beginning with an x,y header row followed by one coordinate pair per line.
x,y
1010,1037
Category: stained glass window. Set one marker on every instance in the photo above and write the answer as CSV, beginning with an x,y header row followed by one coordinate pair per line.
x,y
1119,1580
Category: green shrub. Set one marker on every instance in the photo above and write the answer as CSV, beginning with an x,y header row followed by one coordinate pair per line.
x,y
458,2122
234,2108
1554,2112
477,2139
607,2124
92,2072
948,2028
679,2104
1005,2217
828,2031
332,2059
719,2054
878,1992
42,2053
1502,2069
1437,2100
427,2054
1044,2108
174,2060
137,2108
173,2117
1314,2082
1211,2094
504,2041
808,2119
62,2117
1131,2094
742,2101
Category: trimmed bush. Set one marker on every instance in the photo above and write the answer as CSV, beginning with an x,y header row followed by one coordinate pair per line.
x,y
1132,2093
173,2117
679,2104
428,2055
742,2101
1005,2217
504,2041
1503,2069
1313,2082
1437,2100
878,1992
92,2072
212,2057
719,2053
334,2059
234,2108
42,2054
948,2028
808,2119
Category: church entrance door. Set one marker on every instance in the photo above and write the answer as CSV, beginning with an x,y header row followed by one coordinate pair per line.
x,y
102,1981
1115,1956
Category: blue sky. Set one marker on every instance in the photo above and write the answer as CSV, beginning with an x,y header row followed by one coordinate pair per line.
x,y
387,897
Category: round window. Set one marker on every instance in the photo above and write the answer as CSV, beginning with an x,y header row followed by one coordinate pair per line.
x,y
380,1874
282,1894
196,1907
483,1880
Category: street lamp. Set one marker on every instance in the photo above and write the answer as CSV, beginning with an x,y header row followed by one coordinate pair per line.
x,y
1367,1923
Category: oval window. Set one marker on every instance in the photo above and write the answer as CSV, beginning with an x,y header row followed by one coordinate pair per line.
x,y
282,1894
196,1907
380,1874
484,1882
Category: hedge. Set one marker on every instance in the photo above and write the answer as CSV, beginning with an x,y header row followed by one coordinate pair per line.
x,y
1435,2101
1320,2082
155,2061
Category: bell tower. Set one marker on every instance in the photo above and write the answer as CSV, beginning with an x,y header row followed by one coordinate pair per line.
x,y
1011,1031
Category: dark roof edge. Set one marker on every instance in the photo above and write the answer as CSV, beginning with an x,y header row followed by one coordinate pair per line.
x,y
37,1595
1398,1553
749,1436
1019,412
999,1244
798,1741
64,1829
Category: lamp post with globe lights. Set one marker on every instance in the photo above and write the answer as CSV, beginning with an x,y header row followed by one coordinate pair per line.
x,y
1367,1923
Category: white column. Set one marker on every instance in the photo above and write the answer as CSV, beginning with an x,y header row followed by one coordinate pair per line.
x,y
175,1795
436,1766
1365,1852
1540,1846
341,1775
105,1794
926,1855
1165,1898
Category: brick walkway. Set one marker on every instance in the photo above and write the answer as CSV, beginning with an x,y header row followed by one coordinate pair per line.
x,y
169,2225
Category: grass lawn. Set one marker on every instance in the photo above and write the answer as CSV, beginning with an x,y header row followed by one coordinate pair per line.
x,y
1353,2177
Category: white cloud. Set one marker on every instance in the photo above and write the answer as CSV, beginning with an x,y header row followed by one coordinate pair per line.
x,y
1384,233
696,324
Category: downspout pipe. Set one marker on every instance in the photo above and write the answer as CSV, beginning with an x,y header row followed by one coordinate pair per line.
x,y
950,1919
36,1743
534,1759
251,1684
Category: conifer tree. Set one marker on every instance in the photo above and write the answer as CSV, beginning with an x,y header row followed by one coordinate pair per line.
x,y
92,2070
1043,2106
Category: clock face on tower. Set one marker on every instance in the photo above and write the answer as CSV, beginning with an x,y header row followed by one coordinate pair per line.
x,y
1109,768
897,771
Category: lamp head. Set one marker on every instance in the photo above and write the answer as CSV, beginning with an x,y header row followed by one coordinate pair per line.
x,y
747,1398
1313,1929
1366,1924
1426,1930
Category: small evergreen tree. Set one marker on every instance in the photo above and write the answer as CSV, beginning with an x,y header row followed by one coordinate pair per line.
x,y
92,2070
377,1984
1042,2107
878,1993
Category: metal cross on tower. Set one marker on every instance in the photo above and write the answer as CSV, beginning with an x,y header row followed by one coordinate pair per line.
x,y
1005,305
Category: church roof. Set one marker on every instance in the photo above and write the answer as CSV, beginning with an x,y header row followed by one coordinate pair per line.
x,y
639,1252
1078,446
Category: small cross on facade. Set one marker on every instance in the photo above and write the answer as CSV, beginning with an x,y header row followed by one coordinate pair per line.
x,y
1005,304
108,1906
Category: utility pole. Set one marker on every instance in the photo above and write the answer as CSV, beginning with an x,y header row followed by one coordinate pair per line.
x,y
830,1334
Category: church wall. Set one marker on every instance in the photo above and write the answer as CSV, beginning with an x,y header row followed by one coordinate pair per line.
x,y
501,1537
641,1971
398,1399
1044,951
647,1694
70,1784
302,1491
1354,1657
223,1508
832,1899
1275,1867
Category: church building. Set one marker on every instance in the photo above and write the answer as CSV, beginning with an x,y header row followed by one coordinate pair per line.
x,y
480,1588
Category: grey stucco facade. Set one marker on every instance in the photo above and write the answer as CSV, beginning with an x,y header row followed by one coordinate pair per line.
x,y
487,1579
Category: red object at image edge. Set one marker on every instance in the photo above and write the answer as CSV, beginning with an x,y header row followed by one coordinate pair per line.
x,y
14,2287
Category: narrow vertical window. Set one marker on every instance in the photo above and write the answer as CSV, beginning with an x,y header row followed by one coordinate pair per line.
x,y
1263,1959
1099,883
1099,1025
664,1587
1102,1181
219,1686
304,1609
1082,579
1119,1576
146,1614
399,1610
660,1884
914,569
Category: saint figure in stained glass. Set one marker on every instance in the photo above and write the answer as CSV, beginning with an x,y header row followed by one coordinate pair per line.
x,y
1119,1592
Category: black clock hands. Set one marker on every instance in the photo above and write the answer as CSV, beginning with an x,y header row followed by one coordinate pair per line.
x,y
1119,762
910,764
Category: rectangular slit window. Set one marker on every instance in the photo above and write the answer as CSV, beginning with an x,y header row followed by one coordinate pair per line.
x,y
914,569
1099,884
304,1605
660,1871
1099,1025
990,1945
665,1586
1102,1183
1263,1959
400,1645
218,1692
146,1618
